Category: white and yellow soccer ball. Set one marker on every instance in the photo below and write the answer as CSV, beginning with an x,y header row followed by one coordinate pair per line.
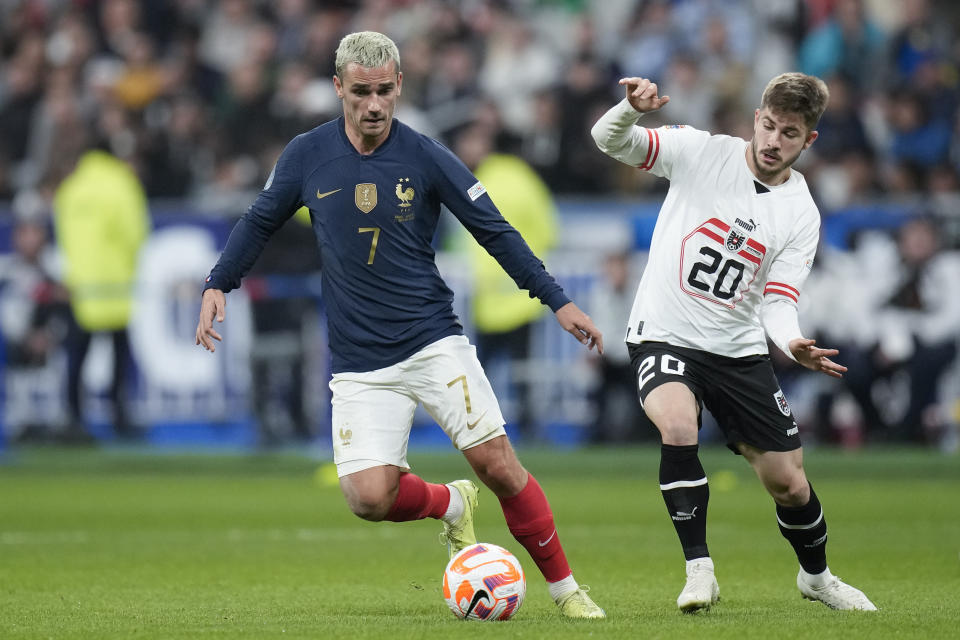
x,y
484,582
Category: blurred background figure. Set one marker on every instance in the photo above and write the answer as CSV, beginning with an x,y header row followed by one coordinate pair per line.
x,y
34,320
101,218
896,380
617,413
848,43
503,316
283,309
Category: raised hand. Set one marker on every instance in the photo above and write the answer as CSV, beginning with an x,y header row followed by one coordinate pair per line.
x,y
642,94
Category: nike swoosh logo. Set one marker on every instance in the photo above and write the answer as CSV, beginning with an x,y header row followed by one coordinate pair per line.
x,y
320,196
547,541
471,425
479,595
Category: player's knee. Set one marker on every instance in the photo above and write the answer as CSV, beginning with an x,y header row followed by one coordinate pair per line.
x,y
799,492
502,474
369,502
678,430
790,492
368,507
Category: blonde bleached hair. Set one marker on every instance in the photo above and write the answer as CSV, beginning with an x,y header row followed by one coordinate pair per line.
x,y
368,49
797,93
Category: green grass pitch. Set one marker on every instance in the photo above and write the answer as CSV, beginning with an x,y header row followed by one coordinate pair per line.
x,y
126,544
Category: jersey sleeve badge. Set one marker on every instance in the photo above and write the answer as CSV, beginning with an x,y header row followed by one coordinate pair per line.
x,y
476,191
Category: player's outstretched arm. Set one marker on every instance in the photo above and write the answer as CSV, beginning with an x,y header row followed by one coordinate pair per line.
x,y
580,326
642,94
615,132
213,305
815,358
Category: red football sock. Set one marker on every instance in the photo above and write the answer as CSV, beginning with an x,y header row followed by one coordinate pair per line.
x,y
417,499
530,520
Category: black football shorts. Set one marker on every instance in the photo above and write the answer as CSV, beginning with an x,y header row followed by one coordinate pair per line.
x,y
742,393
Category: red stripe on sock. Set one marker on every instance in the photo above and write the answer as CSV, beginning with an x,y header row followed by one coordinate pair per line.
x,y
530,520
417,500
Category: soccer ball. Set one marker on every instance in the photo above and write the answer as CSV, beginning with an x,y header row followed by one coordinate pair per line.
x,y
484,582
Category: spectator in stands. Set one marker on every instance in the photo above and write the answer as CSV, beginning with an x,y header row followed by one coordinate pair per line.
x,y
848,43
843,171
101,221
722,67
924,35
618,417
188,73
917,328
918,139
650,43
142,78
21,89
228,32
695,95
33,312
56,129
842,126
451,93
581,99
281,306
518,64
176,157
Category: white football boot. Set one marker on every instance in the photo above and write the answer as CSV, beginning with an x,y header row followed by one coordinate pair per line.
x,y
831,591
701,589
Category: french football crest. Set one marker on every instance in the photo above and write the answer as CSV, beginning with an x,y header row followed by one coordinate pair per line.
x,y
365,196
404,195
735,240
782,403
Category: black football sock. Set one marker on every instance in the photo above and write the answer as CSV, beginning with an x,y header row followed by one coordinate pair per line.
x,y
806,529
683,484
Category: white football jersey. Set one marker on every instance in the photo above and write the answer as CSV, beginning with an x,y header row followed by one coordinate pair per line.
x,y
723,240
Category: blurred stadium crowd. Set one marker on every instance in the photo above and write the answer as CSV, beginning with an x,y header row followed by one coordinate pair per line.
x,y
199,96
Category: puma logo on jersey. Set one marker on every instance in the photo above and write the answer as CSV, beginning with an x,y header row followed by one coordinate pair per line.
x,y
748,226
685,515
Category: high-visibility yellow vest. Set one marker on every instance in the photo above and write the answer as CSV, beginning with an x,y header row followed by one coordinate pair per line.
x,y
526,203
101,221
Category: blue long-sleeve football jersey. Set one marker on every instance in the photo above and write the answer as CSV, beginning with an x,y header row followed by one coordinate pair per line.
x,y
374,217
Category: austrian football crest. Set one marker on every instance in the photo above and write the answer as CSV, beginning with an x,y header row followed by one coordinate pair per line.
x,y
782,403
735,240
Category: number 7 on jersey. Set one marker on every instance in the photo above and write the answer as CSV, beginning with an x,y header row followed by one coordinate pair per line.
x,y
373,243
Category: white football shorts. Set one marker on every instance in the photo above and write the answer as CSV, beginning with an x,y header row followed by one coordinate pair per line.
x,y
373,410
